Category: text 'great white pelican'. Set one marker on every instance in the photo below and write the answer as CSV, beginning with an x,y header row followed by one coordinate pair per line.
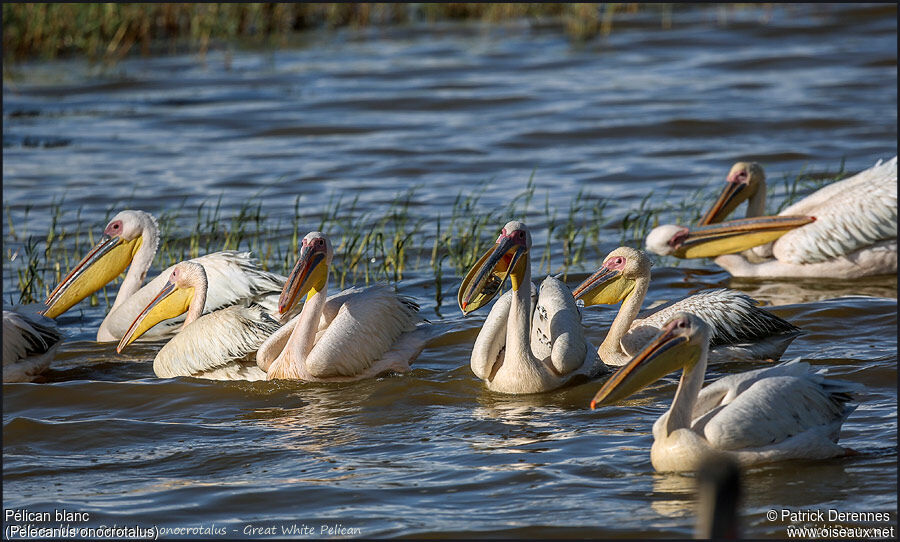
x,y
219,345
357,333
130,241
773,414
740,329
854,233
524,347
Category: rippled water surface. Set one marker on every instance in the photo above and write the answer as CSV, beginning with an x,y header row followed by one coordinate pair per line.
x,y
442,110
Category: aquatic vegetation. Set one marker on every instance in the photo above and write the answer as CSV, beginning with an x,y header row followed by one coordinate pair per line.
x,y
107,32
374,246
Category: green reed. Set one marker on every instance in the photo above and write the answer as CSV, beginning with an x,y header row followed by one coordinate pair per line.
x,y
372,246
107,32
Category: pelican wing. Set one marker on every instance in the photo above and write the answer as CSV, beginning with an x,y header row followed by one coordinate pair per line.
x,y
25,336
27,340
764,407
217,345
233,277
733,317
556,331
367,324
850,214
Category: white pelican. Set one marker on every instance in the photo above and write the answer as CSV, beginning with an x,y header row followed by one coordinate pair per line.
x,y
219,345
130,241
356,334
30,342
741,330
854,233
524,347
772,414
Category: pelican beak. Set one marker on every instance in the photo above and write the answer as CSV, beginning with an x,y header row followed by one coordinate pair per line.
x,y
669,351
605,287
487,276
732,196
106,261
307,277
734,235
170,302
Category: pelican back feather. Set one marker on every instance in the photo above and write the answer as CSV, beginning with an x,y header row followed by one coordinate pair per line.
x,y
224,338
367,324
733,316
767,406
851,214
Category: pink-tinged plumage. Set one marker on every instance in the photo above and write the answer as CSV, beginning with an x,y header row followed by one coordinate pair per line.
x,y
358,333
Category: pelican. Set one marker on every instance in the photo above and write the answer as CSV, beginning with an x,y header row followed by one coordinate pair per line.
x,y
30,342
854,233
772,414
219,345
358,333
524,347
130,241
741,330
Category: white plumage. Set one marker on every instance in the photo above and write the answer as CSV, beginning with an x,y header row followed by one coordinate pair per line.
x,y
219,345
740,329
30,342
772,414
854,234
234,277
358,333
527,346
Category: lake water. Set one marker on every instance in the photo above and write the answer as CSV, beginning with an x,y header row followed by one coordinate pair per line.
x,y
443,110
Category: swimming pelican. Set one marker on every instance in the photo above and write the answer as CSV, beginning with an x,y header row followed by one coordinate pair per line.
x,y
358,333
741,330
219,345
524,347
30,342
772,414
130,241
854,233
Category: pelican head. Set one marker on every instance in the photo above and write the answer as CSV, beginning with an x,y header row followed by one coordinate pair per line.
x,y
310,273
679,344
118,245
173,300
507,258
722,238
616,279
743,181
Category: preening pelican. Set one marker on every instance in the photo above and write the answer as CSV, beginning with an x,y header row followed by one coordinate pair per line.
x,y
130,241
29,343
854,233
741,330
220,345
358,333
772,414
524,347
